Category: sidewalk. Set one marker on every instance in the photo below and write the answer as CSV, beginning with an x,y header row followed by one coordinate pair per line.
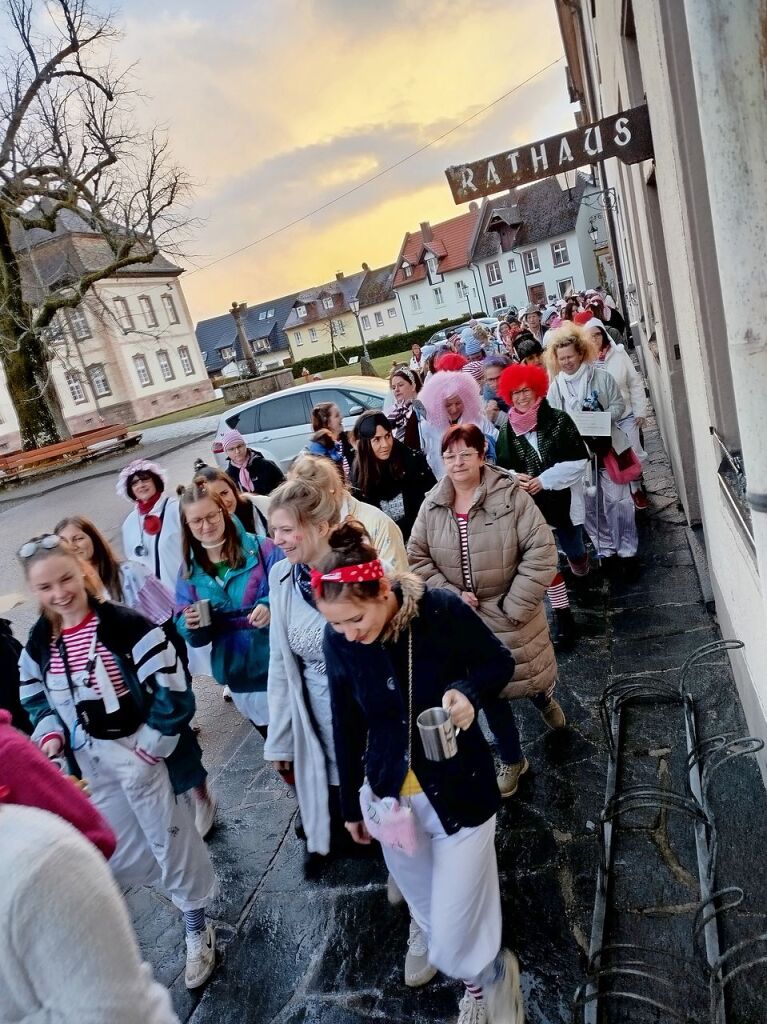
x,y
332,952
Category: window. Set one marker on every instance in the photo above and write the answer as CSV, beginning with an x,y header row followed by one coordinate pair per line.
x,y
461,289
559,253
124,315
493,271
142,371
148,310
75,385
245,421
415,303
365,321
564,286
269,314
407,270
78,324
432,267
531,261
286,411
312,334
301,311
227,353
186,361
297,338
439,298
165,368
392,311
328,302
170,309
346,400
379,319
338,327
262,344
99,381
499,301
512,266
262,315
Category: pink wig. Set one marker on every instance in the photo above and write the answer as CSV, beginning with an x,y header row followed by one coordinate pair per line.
x,y
443,385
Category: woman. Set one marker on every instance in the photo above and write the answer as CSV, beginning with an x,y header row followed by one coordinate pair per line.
x,y
394,650
479,535
616,360
385,535
449,399
151,533
579,383
548,455
417,358
387,473
229,569
104,687
252,473
404,415
250,509
131,584
327,416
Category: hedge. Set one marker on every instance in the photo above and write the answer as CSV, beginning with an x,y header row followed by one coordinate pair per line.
x,y
384,347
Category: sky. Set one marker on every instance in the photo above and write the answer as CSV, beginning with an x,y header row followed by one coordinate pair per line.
x,y
275,107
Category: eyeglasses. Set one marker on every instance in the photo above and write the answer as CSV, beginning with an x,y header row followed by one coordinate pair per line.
x,y
463,456
521,393
46,543
141,477
211,519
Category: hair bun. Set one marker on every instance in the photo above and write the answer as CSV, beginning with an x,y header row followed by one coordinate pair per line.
x,y
351,543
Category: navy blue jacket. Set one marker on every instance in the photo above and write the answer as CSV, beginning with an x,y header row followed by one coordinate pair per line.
x,y
452,649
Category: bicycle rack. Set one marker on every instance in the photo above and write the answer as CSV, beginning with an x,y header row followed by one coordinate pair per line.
x,y
618,971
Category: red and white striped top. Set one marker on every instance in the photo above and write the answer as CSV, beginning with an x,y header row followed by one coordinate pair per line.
x,y
462,518
77,641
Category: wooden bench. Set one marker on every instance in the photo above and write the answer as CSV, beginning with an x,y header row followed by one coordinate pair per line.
x,y
62,451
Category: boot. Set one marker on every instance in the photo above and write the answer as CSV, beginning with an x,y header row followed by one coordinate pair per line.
x,y
567,631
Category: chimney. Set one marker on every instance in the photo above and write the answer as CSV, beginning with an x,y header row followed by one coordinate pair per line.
x,y
339,275
365,267
427,234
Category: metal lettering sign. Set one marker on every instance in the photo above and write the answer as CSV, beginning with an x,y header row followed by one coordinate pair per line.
x,y
626,136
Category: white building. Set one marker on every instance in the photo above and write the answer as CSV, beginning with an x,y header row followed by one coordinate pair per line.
x,y
379,312
691,227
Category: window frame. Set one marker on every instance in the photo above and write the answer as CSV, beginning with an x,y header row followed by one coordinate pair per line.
x,y
328,302
74,382
565,262
439,298
379,319
147,307
77,316
141,360
93,369
284,399
170,308
170,375
365,321
297,338
495,277
125,320
392,311
526,259
185,358
415,303
512,265
567,281
301,311
313,336
498,302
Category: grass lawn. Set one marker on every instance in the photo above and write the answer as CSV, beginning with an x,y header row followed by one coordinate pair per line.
x,y
381,365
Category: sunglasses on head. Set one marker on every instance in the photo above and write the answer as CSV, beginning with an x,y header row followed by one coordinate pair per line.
x,y
46,543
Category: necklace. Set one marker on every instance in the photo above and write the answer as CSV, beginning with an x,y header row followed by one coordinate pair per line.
x,y
213,547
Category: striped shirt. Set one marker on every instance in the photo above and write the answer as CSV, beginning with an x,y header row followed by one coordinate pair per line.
x,y
462,518
77,641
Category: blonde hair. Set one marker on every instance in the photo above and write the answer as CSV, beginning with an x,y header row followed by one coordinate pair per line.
x,y
568,334
322,473
309,502
91,581
481,333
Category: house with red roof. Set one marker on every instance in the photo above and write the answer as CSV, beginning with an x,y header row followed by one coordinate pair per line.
x,y
433,276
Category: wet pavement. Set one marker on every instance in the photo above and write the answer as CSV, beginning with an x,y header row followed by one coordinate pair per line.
x,y
332,951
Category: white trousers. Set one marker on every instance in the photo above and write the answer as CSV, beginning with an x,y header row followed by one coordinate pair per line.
x,y
612,526
157,842
451,886
253,706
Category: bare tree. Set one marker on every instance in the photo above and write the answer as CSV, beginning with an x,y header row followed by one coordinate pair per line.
x,y
69,149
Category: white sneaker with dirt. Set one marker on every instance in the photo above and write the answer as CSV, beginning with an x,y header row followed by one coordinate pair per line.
x,y
471,1010
200,957
227,695
205,814
509,775
504,995
418,970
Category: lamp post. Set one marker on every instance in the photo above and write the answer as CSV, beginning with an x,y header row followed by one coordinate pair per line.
x,y
367,366
593,231
465,290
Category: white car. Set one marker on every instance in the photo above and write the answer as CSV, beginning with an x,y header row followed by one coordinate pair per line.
x,y
279,425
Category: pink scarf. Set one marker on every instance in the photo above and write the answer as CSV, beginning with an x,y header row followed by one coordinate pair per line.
x,y
246,484
524,422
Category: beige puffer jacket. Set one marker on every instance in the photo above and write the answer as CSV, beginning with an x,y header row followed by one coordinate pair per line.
x,y
513,560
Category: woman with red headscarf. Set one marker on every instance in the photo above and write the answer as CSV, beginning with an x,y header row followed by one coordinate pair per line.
x,y
543,447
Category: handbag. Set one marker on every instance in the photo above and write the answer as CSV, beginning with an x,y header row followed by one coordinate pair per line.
x,y
393,824
121,718
623,468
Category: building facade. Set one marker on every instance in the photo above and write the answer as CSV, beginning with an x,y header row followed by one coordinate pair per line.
x,y
321,318
690,225
379,312
221,345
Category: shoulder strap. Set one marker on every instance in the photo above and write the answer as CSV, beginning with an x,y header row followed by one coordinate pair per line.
x,y
157,540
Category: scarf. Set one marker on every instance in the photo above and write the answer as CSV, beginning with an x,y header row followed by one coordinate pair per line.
x,y
524,422
246,484
302,577
145,507
572,386
399,416
343,460
151,524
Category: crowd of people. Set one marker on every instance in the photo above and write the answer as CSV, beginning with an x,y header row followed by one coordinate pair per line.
x,y
399,569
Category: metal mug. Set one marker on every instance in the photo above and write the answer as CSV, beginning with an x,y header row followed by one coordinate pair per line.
x,y
438,734
203,610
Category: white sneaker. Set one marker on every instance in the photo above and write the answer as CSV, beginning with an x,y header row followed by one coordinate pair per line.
x,y
504,995
418,970
205,814
227,695
200,956
471,1010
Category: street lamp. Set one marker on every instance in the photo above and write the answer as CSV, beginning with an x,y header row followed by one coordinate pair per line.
x,y
367,369
465,290
593,231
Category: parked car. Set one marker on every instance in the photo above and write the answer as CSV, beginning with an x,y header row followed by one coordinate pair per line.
x,y
280,424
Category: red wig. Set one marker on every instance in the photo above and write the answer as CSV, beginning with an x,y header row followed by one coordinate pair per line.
x,y
583,317
522,375
450,361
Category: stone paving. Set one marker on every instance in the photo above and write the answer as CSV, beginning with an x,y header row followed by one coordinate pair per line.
x,y
332,951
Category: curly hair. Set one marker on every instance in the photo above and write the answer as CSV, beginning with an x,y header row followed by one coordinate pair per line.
x,y
522,375
443,385
452,362
568,334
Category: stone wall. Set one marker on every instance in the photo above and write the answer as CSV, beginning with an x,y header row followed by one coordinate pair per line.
x,y
255,387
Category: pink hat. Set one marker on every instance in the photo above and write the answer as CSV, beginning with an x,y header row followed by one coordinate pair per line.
x,y
232,438
139,466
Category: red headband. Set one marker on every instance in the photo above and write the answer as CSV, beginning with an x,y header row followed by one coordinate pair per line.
x,y
365,572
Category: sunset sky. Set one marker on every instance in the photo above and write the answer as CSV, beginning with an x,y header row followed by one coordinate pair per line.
x,y
277,106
